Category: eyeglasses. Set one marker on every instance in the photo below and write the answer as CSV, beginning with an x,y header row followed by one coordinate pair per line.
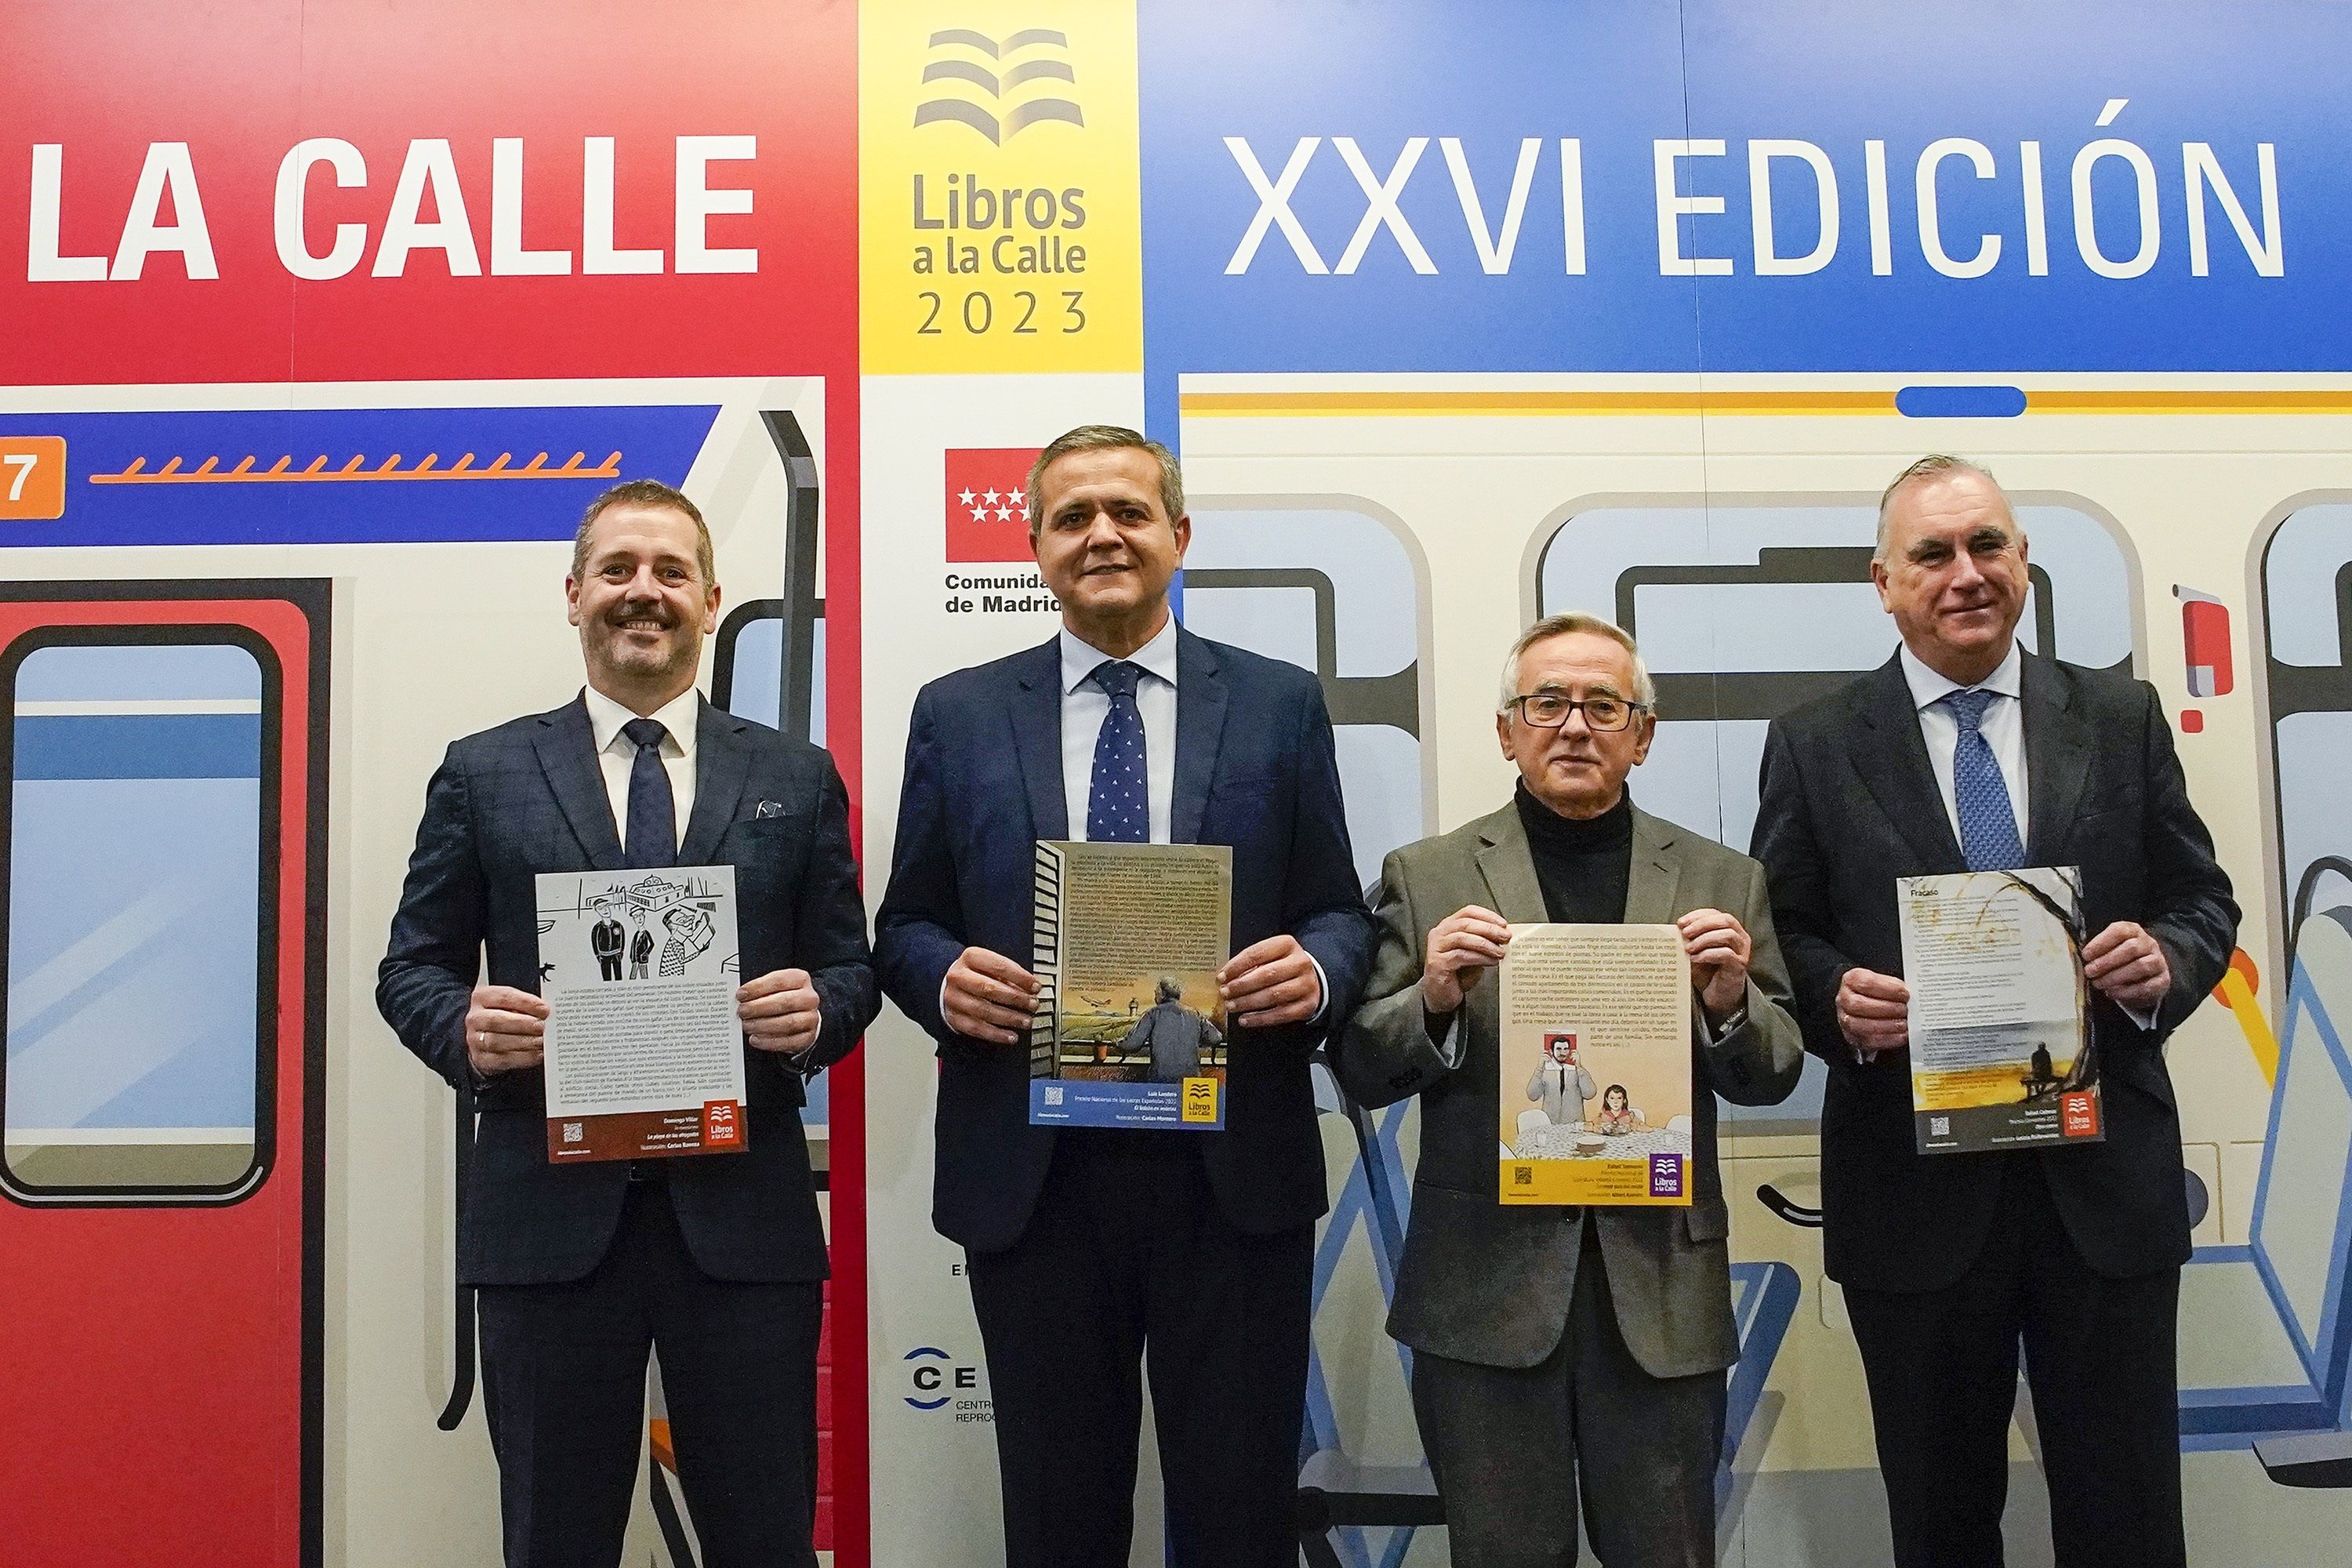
x,y
1549,710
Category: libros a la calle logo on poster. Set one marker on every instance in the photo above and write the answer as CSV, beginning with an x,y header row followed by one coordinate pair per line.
x,y
1026,227
996,88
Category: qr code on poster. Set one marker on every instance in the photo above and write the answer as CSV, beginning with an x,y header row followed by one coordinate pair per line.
x,y
1053,1094
1939,1127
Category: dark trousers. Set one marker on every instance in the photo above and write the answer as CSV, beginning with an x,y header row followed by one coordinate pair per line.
x,y
1512,1447
2100,1361
564,1384
1129,1261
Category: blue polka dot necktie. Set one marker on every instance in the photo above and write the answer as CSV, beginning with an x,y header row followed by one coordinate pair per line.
x,y
653,810
1118,799
1988,838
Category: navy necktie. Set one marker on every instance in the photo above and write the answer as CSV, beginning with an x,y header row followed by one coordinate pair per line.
x,y
1119,797
1988,837
653,810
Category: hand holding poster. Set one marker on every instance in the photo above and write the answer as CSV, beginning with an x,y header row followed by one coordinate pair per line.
x,y
2000,1053
1595,1066
1131,1024
645,1056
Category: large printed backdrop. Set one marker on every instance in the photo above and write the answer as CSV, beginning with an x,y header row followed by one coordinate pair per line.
x,y
318,322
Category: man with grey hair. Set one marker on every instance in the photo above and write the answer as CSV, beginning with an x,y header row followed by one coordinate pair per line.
x,y
1964,753
1598,1336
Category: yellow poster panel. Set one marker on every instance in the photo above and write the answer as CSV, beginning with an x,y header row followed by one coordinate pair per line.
x,y
1002,227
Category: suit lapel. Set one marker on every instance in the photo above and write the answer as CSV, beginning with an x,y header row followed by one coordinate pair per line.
x,y
721,764
1200,724
2057,760
1036,715
1892,758
1650,884
1510,867
566,745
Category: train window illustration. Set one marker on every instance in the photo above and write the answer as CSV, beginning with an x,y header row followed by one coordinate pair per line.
x,y
138,957
2308,619
1746,609
1334,591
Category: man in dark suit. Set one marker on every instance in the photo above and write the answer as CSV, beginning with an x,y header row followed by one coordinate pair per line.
x,y
1965,753
1581,1350
1084,1245
606,938
715,1261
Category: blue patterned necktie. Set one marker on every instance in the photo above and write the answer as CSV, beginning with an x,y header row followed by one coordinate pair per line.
x,y
1989,836
653,810
1118,798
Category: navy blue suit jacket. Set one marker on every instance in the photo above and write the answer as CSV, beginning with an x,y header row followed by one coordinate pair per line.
x,y
1256,770
1850,803
527,797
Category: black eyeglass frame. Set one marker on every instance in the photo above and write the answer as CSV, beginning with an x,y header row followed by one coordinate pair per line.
x,y
1518,705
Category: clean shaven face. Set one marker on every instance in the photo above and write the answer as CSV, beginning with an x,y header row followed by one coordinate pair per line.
x,y
1104,543
1954,575
1576,770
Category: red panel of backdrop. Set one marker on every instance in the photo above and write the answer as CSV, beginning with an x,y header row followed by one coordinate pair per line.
x,y
254,191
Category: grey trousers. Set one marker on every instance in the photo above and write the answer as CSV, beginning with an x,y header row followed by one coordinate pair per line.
x,y
1512,1448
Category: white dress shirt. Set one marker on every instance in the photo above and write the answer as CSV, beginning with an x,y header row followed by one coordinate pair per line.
x,y
616,754
1084,706
2004,729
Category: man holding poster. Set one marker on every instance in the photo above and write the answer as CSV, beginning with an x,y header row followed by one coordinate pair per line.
x,y
1087,1245
1553,1338
1965,754
715,1260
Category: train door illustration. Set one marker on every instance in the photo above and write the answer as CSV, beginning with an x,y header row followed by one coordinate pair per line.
x,y
163,1084
2282,1382
443,512
1329,584
1746,608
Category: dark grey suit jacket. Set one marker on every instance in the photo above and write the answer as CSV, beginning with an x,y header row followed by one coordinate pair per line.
x,y
1492,1285
527,797
1850,803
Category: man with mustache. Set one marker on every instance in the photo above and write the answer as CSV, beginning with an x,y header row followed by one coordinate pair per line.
x,y
1963,752
1087,1247
717,1262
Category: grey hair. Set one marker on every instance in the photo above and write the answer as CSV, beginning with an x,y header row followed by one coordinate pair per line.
x,y
1645,692
1934,466
1102,439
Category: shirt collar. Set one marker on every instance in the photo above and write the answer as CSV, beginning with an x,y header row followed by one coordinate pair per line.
x,y
1079,656
680,716
1930,687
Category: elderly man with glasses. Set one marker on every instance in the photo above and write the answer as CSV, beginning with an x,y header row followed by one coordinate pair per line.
x,y
1598,1334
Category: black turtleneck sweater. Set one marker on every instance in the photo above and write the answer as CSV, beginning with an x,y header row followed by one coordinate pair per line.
x,y
1581,864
